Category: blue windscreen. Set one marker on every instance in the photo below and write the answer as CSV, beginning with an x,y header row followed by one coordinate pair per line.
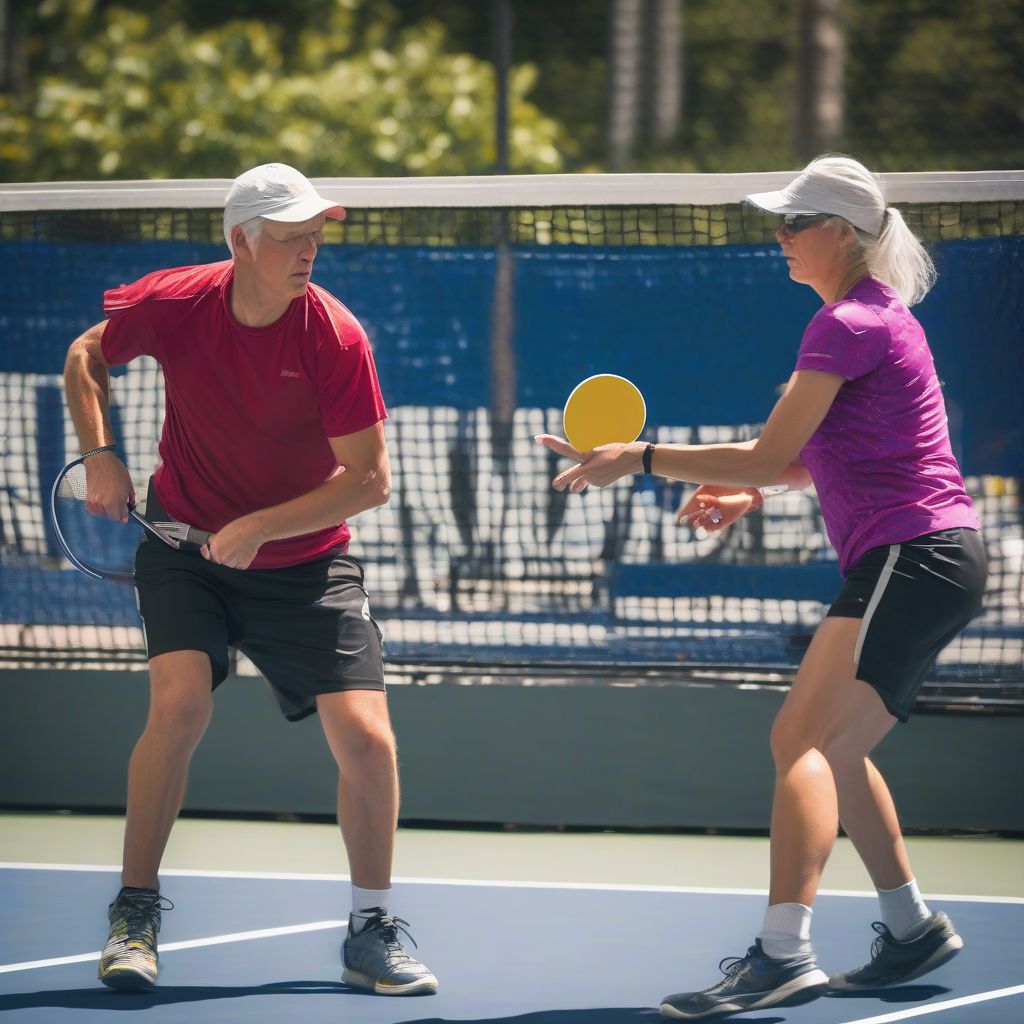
x,y
708,332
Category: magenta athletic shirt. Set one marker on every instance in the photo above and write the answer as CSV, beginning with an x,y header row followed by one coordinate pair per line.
x,y
249,410
880,460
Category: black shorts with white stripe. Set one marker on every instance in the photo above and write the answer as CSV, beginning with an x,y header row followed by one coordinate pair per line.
x,y
914,598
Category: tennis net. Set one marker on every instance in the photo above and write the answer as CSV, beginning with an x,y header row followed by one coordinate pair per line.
x,y
487,300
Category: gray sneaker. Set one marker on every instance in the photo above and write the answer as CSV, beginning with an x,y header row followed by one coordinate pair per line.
x,y
751,982
375,960
894,962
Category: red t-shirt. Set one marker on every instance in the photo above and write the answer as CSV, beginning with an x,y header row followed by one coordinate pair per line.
x,y
249,410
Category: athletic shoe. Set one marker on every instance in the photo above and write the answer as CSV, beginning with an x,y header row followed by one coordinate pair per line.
x,y
129,961
751,982
894,962
374,959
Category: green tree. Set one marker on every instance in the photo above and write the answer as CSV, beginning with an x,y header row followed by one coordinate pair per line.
x,y
937,84
119,93
119,88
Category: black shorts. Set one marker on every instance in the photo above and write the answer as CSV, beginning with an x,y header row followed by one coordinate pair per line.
x,y
307,627
913,598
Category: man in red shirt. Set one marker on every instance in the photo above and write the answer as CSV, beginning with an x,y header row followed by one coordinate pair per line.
x,y
273,436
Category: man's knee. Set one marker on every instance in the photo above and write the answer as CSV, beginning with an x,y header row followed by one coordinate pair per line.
x,y
373,743
181,697
366,744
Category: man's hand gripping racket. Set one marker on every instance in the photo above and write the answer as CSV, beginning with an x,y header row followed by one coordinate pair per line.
x,y
97,525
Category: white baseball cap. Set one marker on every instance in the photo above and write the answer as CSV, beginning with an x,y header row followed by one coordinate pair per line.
x,y
837,185
277,192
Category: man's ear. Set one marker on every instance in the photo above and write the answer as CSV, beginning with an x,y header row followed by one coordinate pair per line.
x,y
240,244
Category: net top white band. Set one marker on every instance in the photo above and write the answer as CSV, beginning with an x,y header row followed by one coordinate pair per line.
x,y
526,190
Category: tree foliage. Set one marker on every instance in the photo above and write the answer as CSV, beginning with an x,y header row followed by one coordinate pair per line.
x,y
189,88
121,93
937,84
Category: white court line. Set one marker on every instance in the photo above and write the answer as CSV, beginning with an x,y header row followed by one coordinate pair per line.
x,y
949,1004
169,947
496,883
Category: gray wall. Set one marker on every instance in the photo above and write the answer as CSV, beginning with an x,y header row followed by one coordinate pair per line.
x,y
588,754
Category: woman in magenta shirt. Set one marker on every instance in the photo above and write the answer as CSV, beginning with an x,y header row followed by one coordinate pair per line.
x,y
863,420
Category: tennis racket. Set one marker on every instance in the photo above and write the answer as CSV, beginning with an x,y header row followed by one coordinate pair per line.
x,y
105,548
603,409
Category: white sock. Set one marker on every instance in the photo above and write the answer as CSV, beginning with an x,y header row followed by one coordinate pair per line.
x,y
787,931
903,910
367,903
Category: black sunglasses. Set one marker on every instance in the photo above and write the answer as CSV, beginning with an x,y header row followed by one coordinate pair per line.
x,y
797,222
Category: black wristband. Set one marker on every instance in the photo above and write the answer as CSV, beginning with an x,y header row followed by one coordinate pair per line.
x,y
96,451
648,453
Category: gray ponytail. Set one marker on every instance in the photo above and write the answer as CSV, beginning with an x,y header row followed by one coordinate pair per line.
x,y
898,258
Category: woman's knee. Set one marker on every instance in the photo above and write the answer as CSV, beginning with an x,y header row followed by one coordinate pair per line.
x,y
847,756
790,738
849,741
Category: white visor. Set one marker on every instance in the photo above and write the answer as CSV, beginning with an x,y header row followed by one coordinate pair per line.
x,y
812,193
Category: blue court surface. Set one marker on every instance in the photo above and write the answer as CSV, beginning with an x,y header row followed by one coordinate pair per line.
x,y
263,947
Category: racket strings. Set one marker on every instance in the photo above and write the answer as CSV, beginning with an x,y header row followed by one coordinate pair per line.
x,y
97,545
73,484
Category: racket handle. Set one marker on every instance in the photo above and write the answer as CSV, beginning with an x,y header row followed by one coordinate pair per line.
x,y
194,539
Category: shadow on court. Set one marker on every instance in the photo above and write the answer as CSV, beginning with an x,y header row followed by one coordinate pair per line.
x,y
99,998
901,994
609,1015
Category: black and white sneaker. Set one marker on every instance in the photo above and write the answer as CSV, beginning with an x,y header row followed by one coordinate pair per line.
x,y
751,982
893,962
129,962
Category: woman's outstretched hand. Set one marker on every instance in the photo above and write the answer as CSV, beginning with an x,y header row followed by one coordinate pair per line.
x,y
600,467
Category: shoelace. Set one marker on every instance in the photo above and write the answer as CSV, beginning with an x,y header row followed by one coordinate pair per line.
x,y
138,913
884,938
391,926
731,965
